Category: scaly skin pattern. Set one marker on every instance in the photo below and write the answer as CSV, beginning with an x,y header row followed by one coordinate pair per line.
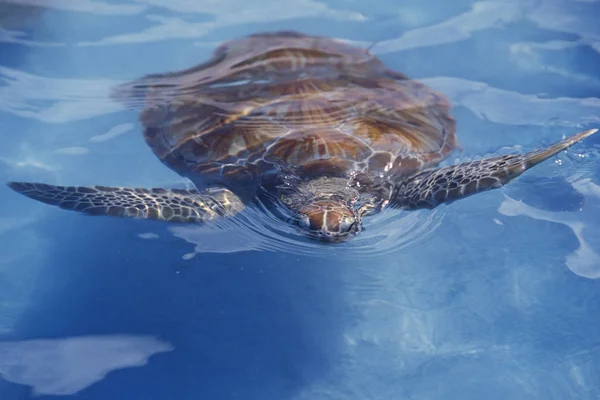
x,y
172,205
284,99
428,189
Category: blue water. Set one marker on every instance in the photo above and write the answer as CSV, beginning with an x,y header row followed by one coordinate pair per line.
x,y
493,297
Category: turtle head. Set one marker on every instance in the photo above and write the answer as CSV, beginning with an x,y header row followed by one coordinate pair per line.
x,y
328,219
324,208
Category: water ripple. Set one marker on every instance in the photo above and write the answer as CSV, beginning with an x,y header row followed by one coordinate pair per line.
x,y
258,229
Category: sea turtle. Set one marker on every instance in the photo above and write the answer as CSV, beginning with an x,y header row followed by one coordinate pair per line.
x,y
320,128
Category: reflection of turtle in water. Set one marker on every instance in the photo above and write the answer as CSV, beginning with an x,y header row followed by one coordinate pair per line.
x,y
310,123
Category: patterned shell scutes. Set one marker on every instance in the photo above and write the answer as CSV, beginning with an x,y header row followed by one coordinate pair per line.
x,y
285,99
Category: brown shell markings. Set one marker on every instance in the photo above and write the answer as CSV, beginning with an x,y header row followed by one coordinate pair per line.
x,y
312,103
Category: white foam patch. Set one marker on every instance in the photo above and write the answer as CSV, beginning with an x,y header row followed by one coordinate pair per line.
x,y
54,100
188,256
512,108
91,6
112,133
583,261
73,151
217,240
66,366
265,11
18,37
483,15
148,235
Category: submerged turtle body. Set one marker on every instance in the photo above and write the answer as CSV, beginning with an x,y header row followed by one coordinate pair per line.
x,y
313,105
313,124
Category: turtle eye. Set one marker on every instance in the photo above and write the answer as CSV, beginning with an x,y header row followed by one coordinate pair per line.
x,y
346,223
286,200
304,221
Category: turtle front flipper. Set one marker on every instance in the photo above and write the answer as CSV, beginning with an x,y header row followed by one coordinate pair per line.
x,y
445,185
172,205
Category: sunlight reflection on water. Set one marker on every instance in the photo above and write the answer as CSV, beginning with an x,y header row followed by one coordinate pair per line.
x,y
491,298
67,366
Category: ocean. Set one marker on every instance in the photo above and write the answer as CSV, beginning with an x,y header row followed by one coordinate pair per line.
x,y
492,297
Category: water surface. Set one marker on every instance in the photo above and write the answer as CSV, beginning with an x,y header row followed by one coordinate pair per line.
x,y
495,296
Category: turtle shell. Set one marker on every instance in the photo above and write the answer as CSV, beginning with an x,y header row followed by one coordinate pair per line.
x,y
286,100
